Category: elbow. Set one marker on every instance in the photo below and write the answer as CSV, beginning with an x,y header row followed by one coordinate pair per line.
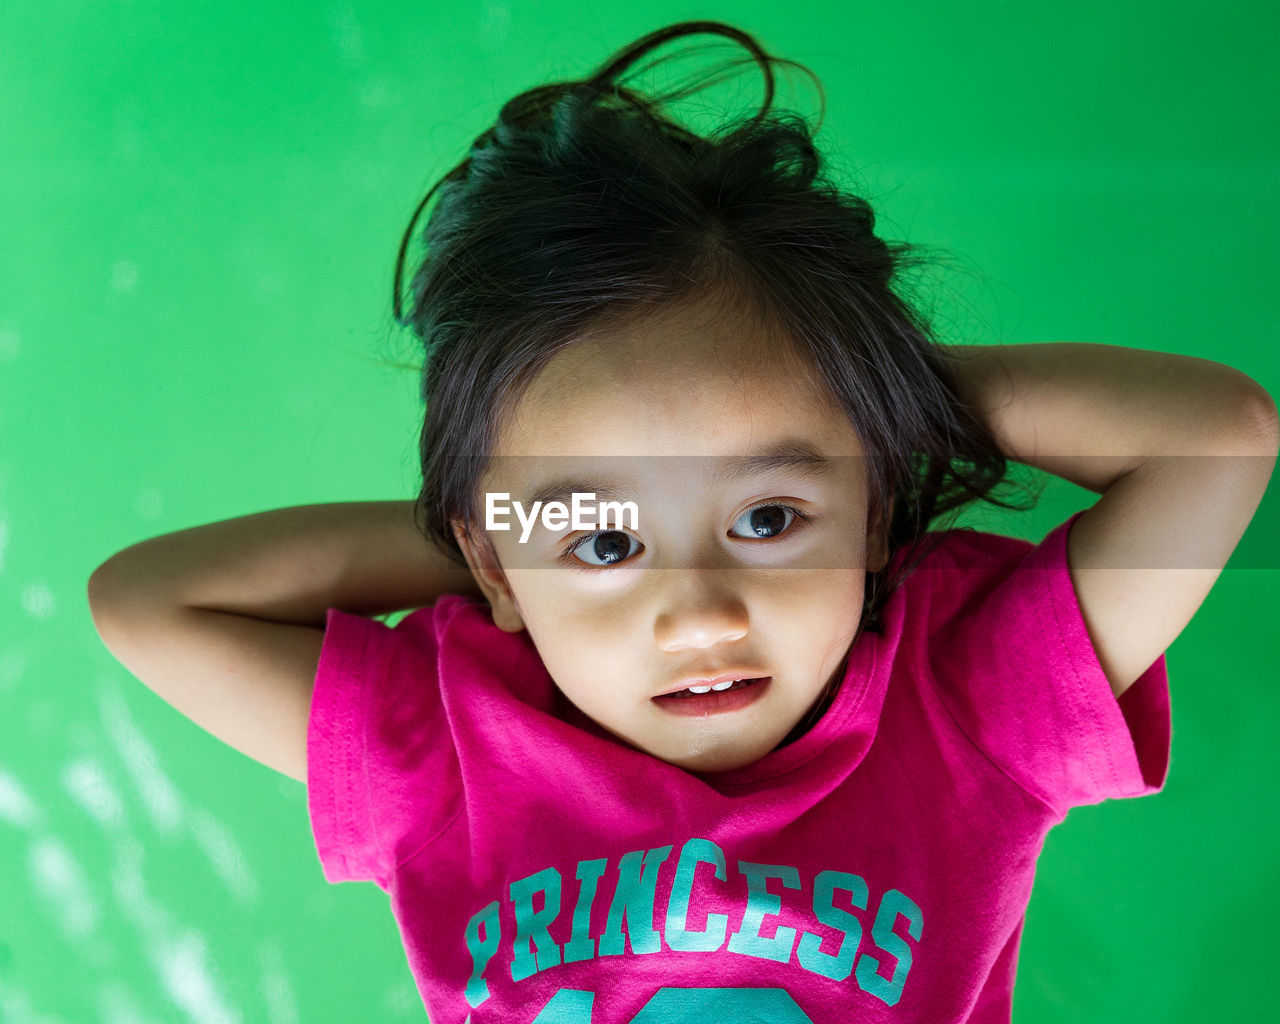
x,y
1261,418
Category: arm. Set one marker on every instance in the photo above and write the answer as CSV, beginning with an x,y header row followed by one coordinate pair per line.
x,y
225,622
291,564
1181,450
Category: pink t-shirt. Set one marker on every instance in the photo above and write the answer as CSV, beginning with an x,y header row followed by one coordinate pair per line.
x,y
877,869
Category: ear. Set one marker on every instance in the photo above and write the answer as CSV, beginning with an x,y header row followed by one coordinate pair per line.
x,y
878,538
483,562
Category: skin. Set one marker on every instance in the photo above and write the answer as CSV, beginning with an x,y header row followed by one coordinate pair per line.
x,y
614,635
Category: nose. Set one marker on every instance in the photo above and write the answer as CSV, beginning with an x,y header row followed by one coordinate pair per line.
x,y
701,610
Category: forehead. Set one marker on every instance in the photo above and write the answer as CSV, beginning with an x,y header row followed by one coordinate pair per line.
x,y
688,382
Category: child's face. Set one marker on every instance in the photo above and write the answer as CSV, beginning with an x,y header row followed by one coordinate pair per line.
x,y
700,588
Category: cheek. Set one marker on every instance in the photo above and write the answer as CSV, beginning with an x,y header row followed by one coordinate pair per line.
x,y
821,592
819,612
573,650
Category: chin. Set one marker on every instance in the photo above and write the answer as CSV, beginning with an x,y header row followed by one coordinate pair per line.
x,y
719,760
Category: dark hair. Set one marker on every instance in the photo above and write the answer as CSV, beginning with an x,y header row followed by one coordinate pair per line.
x,y
583,207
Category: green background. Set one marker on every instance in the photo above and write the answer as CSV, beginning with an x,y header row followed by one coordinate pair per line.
x,y
201,205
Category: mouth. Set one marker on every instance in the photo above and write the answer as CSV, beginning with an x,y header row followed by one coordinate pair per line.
x,y
740,694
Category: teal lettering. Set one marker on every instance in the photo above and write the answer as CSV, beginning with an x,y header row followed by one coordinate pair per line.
x,y
633,898
683,1006
760,901
893,904
835,966
698,1005
580,945
533,926
568,1006
679,936
481,947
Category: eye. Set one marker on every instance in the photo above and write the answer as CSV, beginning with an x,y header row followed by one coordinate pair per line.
x,y
765,522
610,545
614,546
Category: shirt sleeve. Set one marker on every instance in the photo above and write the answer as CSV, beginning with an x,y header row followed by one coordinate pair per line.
x,y
1019,674
382,775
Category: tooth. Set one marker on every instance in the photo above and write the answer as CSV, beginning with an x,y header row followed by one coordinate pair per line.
x,y
699,689
723,686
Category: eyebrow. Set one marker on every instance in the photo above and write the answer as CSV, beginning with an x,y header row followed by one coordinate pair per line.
x,y
792,454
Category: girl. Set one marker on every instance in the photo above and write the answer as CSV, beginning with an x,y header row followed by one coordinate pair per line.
x,y
771,749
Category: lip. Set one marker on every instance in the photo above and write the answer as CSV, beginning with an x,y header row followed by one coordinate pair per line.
x,y
713,702
723,677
